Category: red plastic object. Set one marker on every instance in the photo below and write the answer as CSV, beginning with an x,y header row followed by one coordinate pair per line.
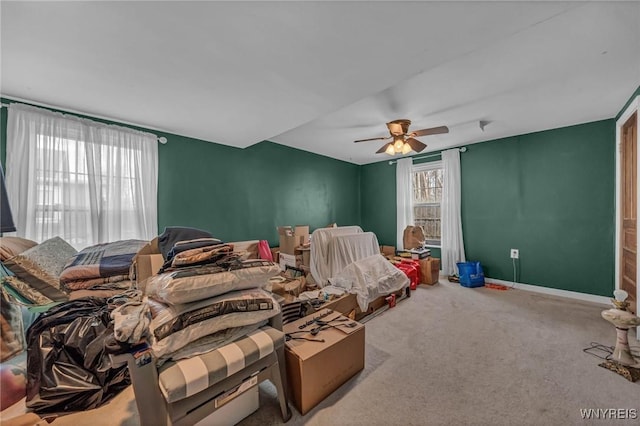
x,y
391,300
496,286
412,270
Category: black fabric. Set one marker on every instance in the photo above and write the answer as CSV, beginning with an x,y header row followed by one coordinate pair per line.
x,y
173,234
68,368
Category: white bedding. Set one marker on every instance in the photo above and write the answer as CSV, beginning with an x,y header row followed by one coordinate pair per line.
x,y
346,249
370,278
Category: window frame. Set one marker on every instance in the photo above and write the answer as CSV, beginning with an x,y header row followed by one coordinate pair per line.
x,y
429,165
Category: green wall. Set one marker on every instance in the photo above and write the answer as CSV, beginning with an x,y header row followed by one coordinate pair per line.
x,y
239,194
549,194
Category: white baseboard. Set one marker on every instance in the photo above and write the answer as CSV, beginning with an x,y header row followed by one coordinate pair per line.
x,y
554,291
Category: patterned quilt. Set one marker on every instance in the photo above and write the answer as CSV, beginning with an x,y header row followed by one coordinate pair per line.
x,y
101,261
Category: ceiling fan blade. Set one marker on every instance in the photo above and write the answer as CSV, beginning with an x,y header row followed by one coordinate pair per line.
x,y
415,144
383,149
431,131
372,139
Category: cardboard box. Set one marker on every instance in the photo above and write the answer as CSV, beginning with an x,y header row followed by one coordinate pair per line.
x,y
349,303
290,238
305,255
388,250
250,247
286,260
316,369
429,270
147,262
275,253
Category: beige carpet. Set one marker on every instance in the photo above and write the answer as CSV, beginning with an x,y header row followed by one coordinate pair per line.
x,y
456,356
452,355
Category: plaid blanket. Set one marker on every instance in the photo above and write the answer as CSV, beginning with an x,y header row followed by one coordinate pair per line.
x,y
101,261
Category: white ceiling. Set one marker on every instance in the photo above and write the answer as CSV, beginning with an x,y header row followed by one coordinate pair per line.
x,y
318,75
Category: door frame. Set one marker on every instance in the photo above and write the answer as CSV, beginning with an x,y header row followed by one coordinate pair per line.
x,y
634,106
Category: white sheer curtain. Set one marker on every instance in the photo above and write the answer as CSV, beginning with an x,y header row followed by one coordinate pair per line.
x,y
81,180
452,242
404,197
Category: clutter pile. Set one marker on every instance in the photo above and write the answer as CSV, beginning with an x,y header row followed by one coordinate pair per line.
x,y
205,296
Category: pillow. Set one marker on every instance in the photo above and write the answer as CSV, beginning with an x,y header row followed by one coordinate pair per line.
x,y
11,246
192,284
174,327
41,265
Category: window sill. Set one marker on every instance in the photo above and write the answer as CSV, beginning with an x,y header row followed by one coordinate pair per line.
x,y
432,246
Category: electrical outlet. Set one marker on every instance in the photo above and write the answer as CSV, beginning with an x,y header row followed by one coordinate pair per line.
x,y
515,254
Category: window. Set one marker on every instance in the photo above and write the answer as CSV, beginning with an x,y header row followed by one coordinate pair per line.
x,y
427,179
83,181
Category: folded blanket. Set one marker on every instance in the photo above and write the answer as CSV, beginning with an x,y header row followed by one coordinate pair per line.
x,y
181,246
92,282
101,261
173,234
198,256
185,250
219,255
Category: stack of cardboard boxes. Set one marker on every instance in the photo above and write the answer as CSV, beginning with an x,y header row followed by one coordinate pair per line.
x,y
294,247
429,266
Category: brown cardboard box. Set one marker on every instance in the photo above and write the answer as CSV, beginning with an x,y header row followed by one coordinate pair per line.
x,y
349,303
316,369
388,250
147,262
290,238
275,252
429,270
305,252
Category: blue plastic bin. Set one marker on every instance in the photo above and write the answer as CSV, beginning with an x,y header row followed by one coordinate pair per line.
x,y
470,274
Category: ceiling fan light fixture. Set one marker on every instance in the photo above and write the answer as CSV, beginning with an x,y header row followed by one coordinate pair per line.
x,y
390,149
406,148
398,143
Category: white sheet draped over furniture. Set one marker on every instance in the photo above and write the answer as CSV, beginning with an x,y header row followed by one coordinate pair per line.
x,y
370,278
346,249
349,258
321,238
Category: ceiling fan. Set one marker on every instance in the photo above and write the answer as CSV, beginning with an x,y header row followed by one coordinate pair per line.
x,y
404,142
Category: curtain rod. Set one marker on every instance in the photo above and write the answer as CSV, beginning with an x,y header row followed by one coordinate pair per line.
x,y
161,139
463,149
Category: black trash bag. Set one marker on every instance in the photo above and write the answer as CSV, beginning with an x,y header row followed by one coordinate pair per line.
x,y
68,368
